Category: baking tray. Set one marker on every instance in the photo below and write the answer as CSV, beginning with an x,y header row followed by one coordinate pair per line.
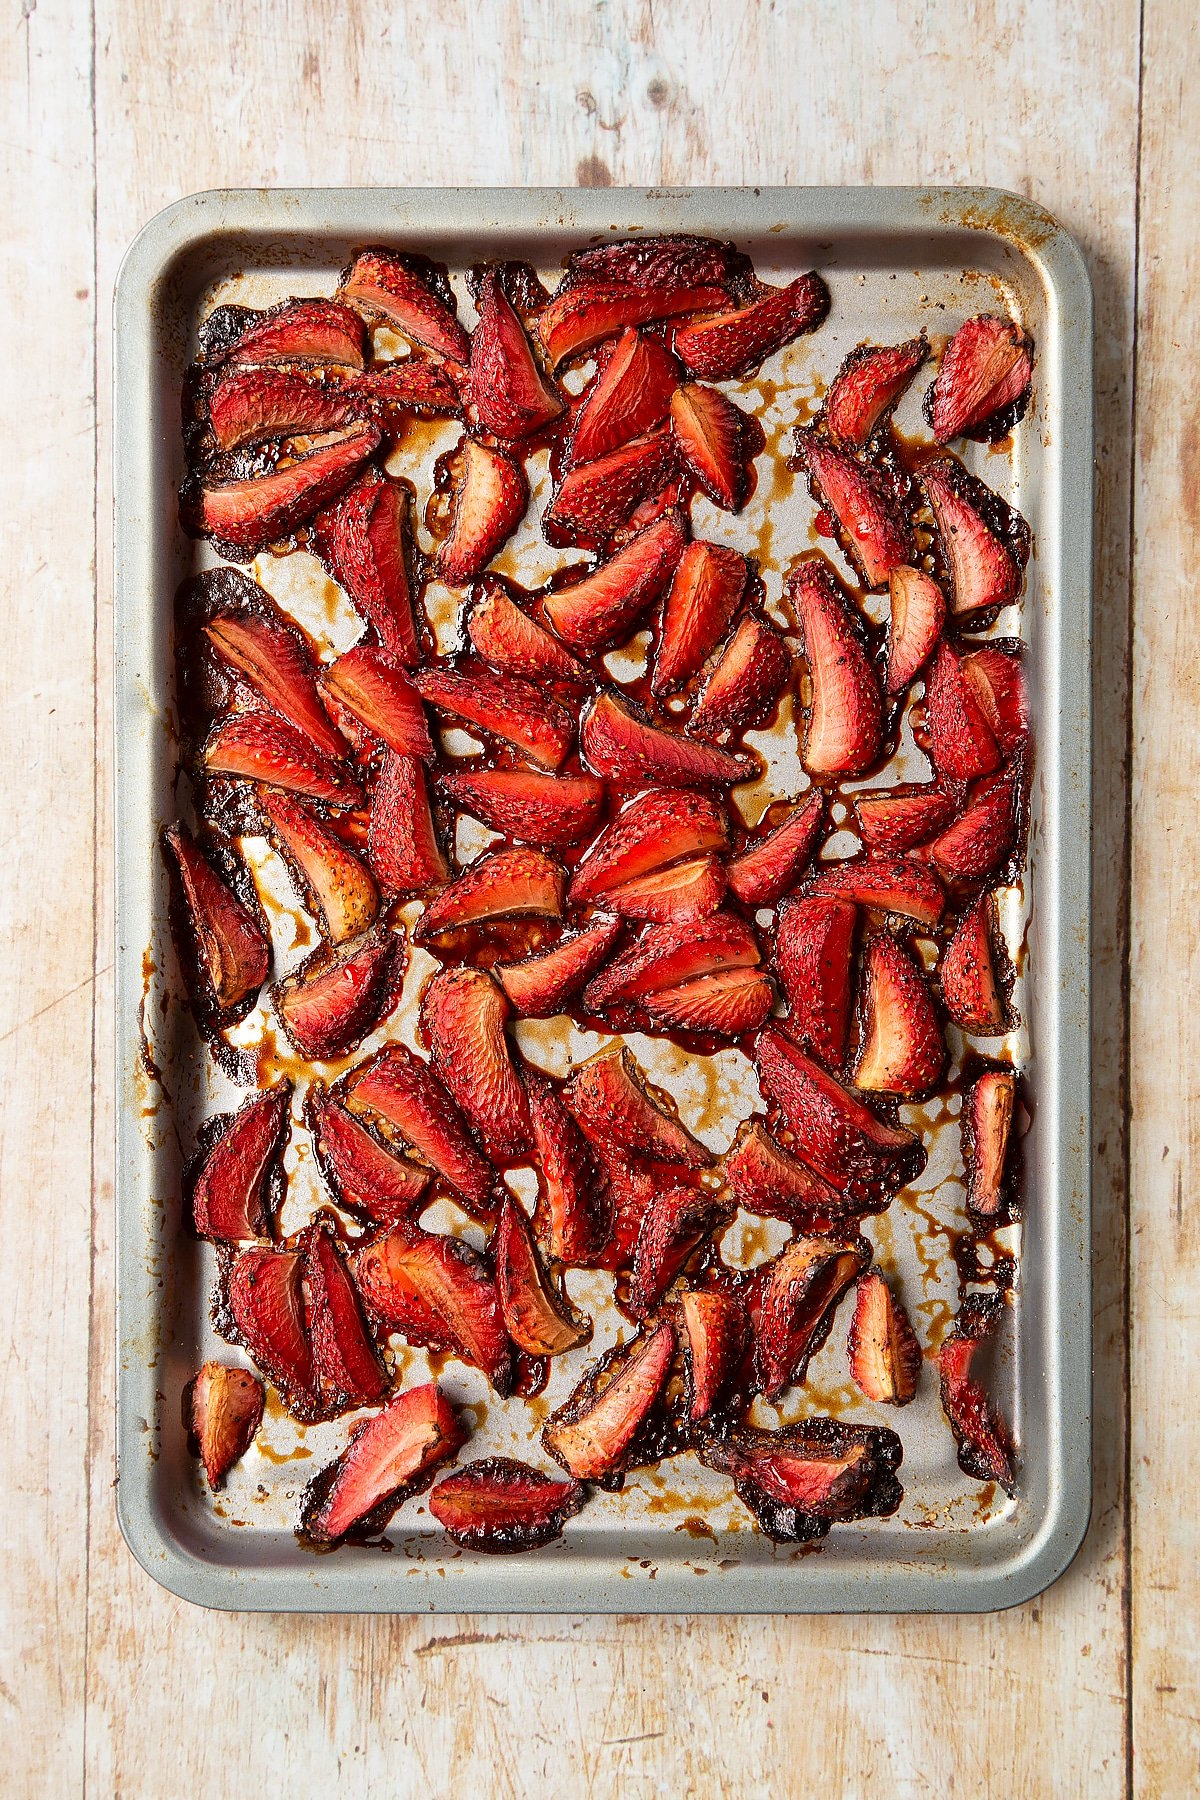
x,y
675,1541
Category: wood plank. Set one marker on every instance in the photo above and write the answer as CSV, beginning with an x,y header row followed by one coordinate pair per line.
x,y
1165,946
630,93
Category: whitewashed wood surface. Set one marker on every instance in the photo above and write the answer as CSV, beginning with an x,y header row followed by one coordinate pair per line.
x,y
107,1685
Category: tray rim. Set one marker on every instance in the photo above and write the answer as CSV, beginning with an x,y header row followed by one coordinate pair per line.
x,y
497,1585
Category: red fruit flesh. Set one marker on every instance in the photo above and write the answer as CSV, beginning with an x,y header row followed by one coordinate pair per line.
x,y
490,494
745,682
796,1295
265,1298
717,442
222,1411
664,263
977,843
917,616
961,743
624,747
541,809
673,1226
975,972
614,1104
867,387
333,884
631,393
236,1165
813,949
463,1014
687,890
412,297
339,994
799,1480
835,1134
349,1372
997,681
368,684
704,595
987,1117
275,661
402,840
511,396
727,1004
765,1179
404,1095
367,539
362,1174
257,746
885,1357
316,331
714,1335
893,820
900,1047
732,343
232,950
540,986
603,608
254,406
983,572
499,1506
872,525
984,1449
594,498
768,866
438,1292
986,370
612,286
514,711
514,644
844,728
244,516
666,955
571,1219
503,885
887,884
388,1458
594,1433
539,1320
659,828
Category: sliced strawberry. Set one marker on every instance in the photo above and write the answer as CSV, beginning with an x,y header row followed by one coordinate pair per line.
x,y
349,1372
595,1435
687,890
631,393
510,395
666,955
340,993
572,1216
389,1457
745,682
800,1480
511,642
622,745
917,616
615,1105
367,539
594,498
369,685
717,441
276,662
244,515
231,949
768,866
867,387
658,828
602,609
727,1004
222,1411
666,262
674,1225
505,884
893,820
977,843
364,1176
985,375
539,1319
402,841
885,1357
488,494
500,1506
541,809
984,545
463,1014
634,1182
872,526
514,711
814,945
843,732
390,391
961,742
987,1117
413,296
704,595
401,1092
234,1179
540,986
976,973
257,746
317,331
851,1148
900,1045
797,1292
438,1292
714,1336
996,678
332,883
887,884
765,1179
725,345
610,286
248,407
676,496
984,1446
264,1304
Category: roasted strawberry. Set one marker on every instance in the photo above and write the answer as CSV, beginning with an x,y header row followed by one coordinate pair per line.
x,y
615,1105
263,1310
243,515
367,540
539,1319
389,1457
488,494
516,712
765,1179
222,1411
666,955
886,884
348,1369
595,1435
658,828
714,1335
601,609
996,678
572,1216
368,684
725,345
631,393
315,331
885,1357
900,1046
410,294
847,1144
622,745
976,973
610,286
977,843
983,382
814,945
717,442
674,1225
687,890
799,1480
744,684
364,1176
704,595
541,985
541,809
230,949
844,728
727,1004
234,1180
766,867
257,746
984,545
247,407
594,498
402,840
511,642
893,820
666,261
500,1506
403,1094
439,1292
872,526
634,1183
510,395
962,744
984,1446
917,615
463,1014
275,660
796,1294
867,387
332,883
987,1118
340,993
505,884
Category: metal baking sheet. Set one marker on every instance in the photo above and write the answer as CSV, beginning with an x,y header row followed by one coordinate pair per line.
x,y
676,1540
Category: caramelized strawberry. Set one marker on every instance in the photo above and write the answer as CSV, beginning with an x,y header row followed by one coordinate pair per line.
x,y
745,682
315,331
872,526
403,1094
615,1105
369,685
234,1179
439,1292
410,294
867,387
961,742
704,595
367,539
727,1004
717,442
257,746
984,545
594,498
984,1447
674,1225
900,1047
602,608
340,993
610,286
502,885
244,515
997,681
987,1118
541,985
463,1014
631,393
917,616
264,1312
714,1336
510,395
539,1319
348,1369
364,1176
222,1411
887,884
983,381
228,940
658,828
666,955
796,1293
976,973
332,883
571,1219
500,1506
725,345
489,496
247,407
885,1357
765,1179
511,642
813,949
767,867
514,711
893,820
402,839
621,745
977,843
541,809
844,728
800,1480
595,1435
838,1137
389,1457
275,660
687,890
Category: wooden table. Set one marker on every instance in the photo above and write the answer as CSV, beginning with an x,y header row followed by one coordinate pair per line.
x,y
107,1684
